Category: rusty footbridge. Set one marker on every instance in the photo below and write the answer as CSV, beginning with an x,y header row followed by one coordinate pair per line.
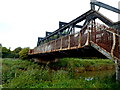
x,y
89,39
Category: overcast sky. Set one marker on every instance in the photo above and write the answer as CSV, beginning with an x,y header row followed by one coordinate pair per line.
x,y
23,21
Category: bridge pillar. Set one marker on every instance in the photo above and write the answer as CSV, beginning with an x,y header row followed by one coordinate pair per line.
x,y
117,66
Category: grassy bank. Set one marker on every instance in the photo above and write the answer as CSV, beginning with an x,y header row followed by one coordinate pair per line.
x,y
82,65
26,74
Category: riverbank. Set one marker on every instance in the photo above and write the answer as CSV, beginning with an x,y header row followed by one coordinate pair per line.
x,y
82,65
26,74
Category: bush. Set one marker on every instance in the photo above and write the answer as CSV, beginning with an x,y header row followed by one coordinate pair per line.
x,y
23,54
5,52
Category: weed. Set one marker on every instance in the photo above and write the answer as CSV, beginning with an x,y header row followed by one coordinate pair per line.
x,y
26,74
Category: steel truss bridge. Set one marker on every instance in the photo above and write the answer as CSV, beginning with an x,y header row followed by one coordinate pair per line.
x,y
91,39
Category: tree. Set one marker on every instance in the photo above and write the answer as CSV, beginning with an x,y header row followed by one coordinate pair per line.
x,y
16,51
23,54
5,52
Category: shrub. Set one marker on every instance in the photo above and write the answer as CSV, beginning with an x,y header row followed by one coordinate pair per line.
x,y
23,54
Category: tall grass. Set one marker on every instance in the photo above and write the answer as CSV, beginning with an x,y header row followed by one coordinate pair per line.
x,y
26,74
83,64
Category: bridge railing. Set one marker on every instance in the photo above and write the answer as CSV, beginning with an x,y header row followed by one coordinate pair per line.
x,y
73,41
107,38
104,36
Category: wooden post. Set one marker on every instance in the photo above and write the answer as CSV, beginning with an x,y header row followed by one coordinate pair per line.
x,y
114,43
79,40
61,43
88,39
55,45
94,31
69,42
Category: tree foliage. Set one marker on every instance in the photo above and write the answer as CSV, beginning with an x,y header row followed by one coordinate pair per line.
x,y
7,53
16,52
23,54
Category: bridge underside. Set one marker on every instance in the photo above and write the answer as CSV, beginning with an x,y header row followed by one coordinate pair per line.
x,y
85,52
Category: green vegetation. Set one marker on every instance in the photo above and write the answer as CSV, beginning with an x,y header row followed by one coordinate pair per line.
x,y
6,52
18,52
81,65
24,53
27,74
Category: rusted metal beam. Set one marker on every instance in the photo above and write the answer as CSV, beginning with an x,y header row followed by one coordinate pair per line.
x,y
103,51
103,5
73,22
61,24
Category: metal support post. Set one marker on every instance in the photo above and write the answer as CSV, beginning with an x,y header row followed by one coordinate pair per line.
x,y
117,67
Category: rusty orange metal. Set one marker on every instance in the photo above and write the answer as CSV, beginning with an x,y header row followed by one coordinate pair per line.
x,y
103,36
